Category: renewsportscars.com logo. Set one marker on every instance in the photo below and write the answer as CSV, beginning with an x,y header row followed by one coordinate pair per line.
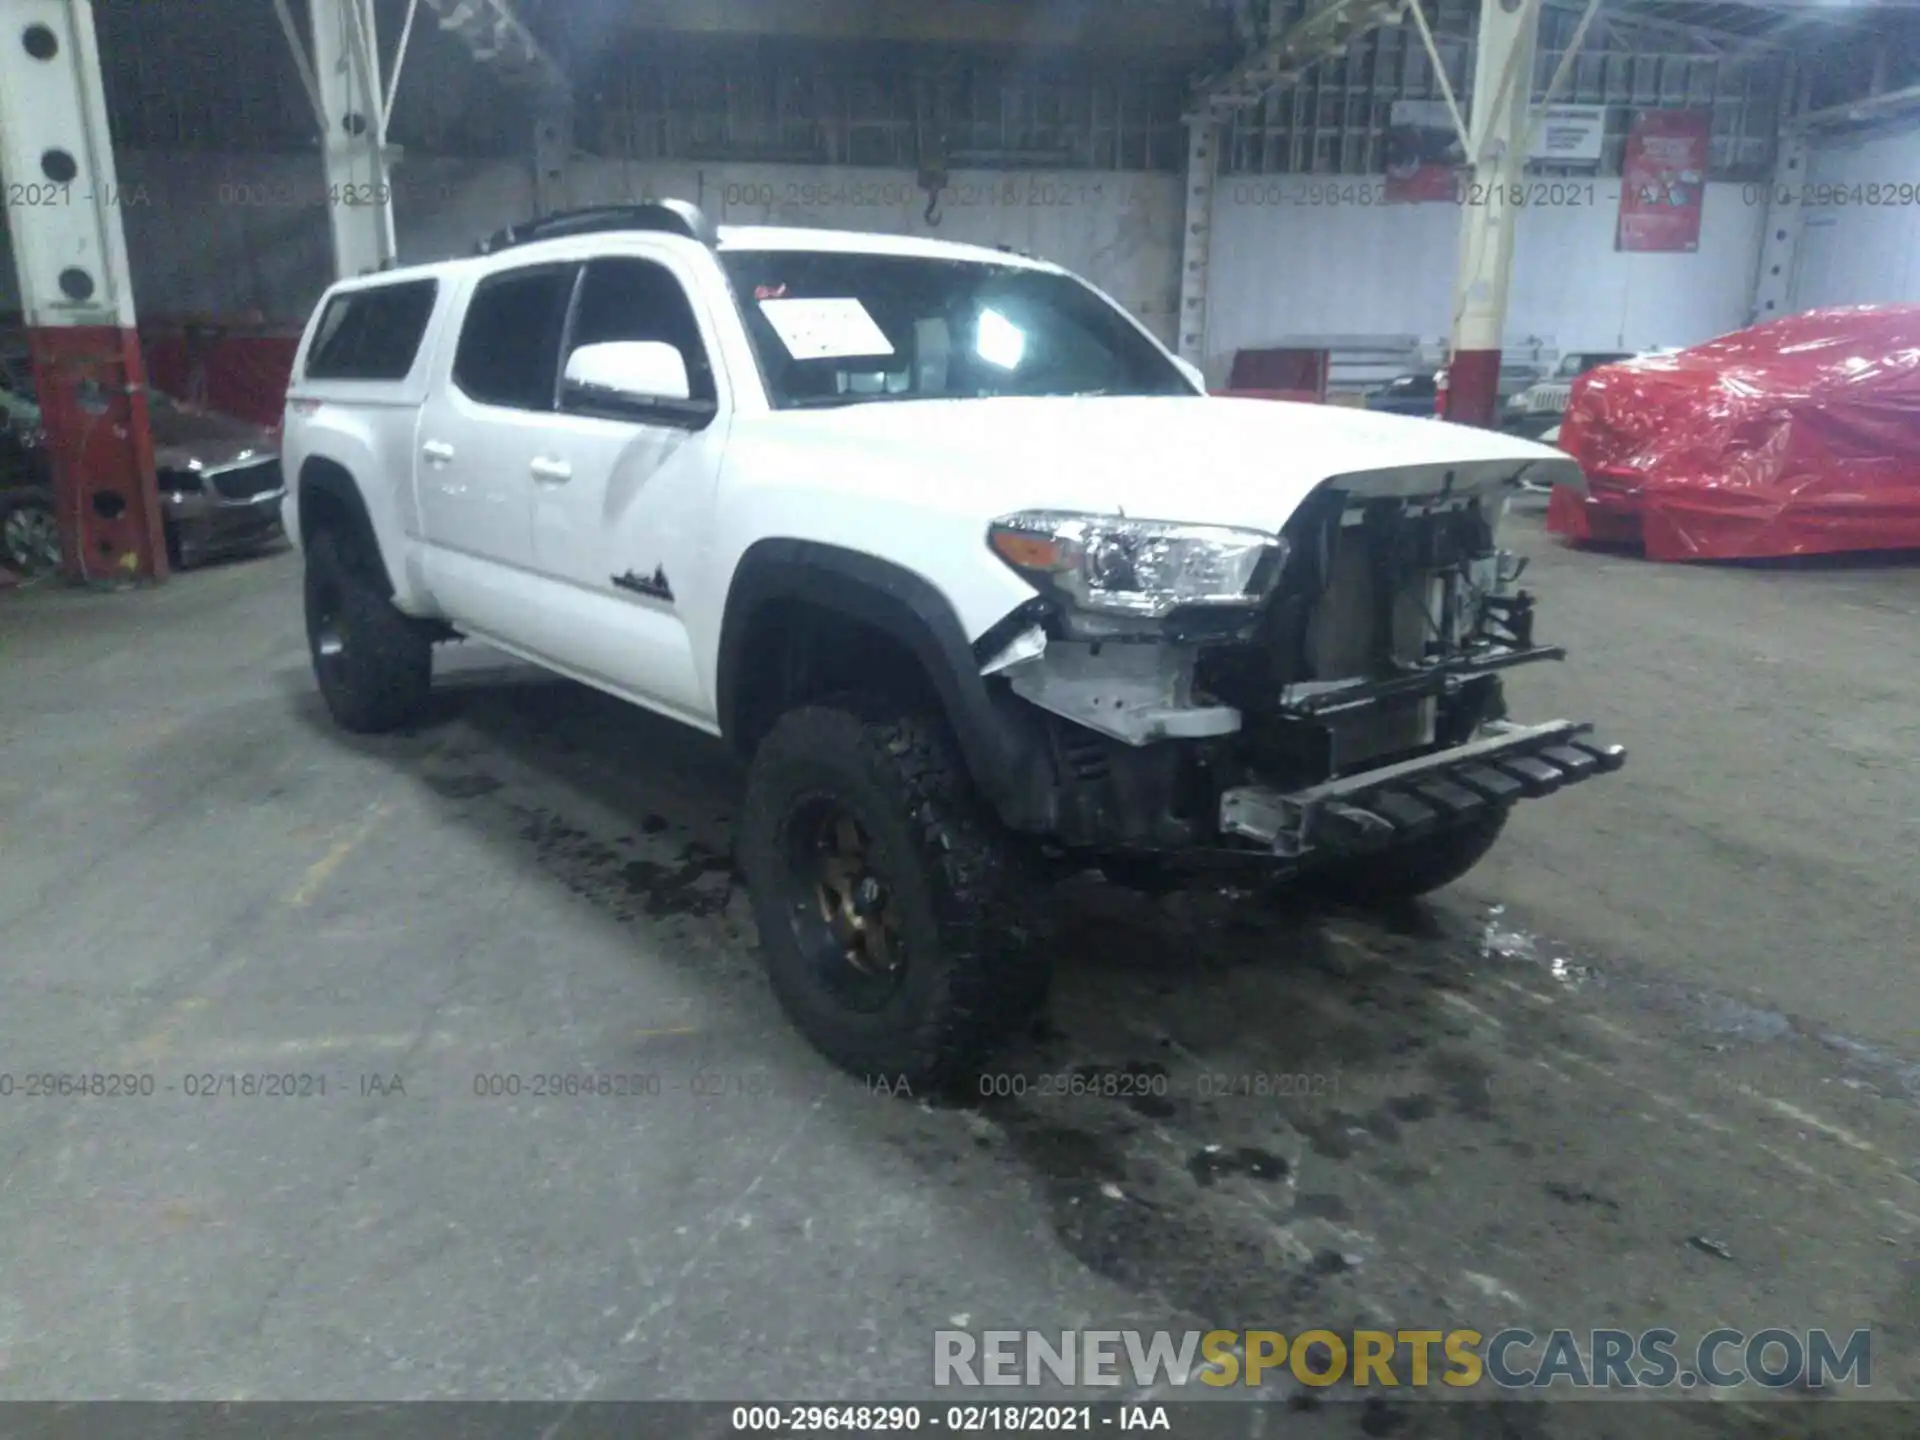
x,y
1511,1359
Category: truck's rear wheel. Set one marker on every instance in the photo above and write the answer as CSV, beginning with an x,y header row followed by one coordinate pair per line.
x,y
373,664
1413,869
880,887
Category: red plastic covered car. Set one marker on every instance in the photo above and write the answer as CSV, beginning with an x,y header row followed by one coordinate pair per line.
x,y
1797,437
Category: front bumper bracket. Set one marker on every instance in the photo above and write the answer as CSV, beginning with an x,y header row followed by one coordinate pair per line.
x,y
1404,801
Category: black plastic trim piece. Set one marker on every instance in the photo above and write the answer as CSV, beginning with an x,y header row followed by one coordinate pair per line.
x,y
1578,764
1608,757
1535,775
1409,799
330,483
1496,785
1407,815
654,586
1449,799
669,217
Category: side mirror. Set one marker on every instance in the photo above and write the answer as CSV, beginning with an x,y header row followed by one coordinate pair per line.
x,y
635,371
1192,372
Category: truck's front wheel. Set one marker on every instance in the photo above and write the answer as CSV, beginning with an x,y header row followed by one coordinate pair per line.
x,y
1413,869
880,887
373,664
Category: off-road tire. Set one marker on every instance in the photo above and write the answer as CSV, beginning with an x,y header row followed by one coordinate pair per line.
x,y
37,507
1407,871
378,677
971,975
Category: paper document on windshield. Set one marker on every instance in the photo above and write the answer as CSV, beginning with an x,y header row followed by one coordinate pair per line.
x,y
829,329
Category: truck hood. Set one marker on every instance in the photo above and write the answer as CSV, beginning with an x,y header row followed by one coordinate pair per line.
x,y
1202,460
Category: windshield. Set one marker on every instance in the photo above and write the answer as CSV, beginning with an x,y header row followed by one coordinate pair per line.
x,y
1574,365
837,329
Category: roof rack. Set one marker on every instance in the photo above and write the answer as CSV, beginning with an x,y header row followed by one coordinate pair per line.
x,y
671,217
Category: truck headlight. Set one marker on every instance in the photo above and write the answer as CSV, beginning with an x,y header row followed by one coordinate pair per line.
x,y
1140,568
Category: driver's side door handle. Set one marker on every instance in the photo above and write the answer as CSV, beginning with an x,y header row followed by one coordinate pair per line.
x,y
553,472
437,452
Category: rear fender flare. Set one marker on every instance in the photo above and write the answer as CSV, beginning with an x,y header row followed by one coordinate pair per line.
x,y
327,486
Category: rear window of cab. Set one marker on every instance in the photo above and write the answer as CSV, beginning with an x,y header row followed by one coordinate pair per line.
x,y
372,333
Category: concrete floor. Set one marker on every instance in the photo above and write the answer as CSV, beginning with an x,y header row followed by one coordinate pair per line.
x,y
1695,1016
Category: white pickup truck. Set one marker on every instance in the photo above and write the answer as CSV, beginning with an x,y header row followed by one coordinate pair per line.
x,y
955,551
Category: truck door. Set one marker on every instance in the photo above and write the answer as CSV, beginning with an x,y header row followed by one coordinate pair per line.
x,y
621,507
486,423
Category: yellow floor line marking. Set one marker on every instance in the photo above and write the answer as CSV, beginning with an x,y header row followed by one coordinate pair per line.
x,y
1792,1162
1826,1127
1447,997
1353,942
1618,1032
1666,1102
1534,995
1907,1216
268,1050
157,1043
321,869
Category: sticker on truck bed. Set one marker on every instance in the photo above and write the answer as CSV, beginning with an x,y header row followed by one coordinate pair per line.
x,y
828,329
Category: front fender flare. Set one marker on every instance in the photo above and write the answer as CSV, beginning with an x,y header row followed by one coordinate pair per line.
x,y
1004,750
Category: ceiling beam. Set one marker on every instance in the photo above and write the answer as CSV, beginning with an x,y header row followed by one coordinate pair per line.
x,y
1636,26
1324,33
1176,30
1789,35
1866,110
495,36
1841,10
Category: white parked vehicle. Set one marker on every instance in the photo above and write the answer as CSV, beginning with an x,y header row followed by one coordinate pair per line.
x,y
1540,406
955,551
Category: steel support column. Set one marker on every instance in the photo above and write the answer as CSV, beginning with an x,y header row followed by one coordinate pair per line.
x,y
1497,152
1773,283
553,155
1277,62
1196,250
1780,244
353,144
75,289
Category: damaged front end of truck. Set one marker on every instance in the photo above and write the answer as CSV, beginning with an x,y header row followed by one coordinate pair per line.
x,y
1212,695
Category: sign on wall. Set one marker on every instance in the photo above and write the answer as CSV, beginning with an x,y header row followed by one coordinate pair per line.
x,y
1570,135
1663,179
1425,161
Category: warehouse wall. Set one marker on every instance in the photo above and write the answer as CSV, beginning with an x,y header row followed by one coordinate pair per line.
x,y
245,233
237,234
1290,257
1120,230
1852,252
